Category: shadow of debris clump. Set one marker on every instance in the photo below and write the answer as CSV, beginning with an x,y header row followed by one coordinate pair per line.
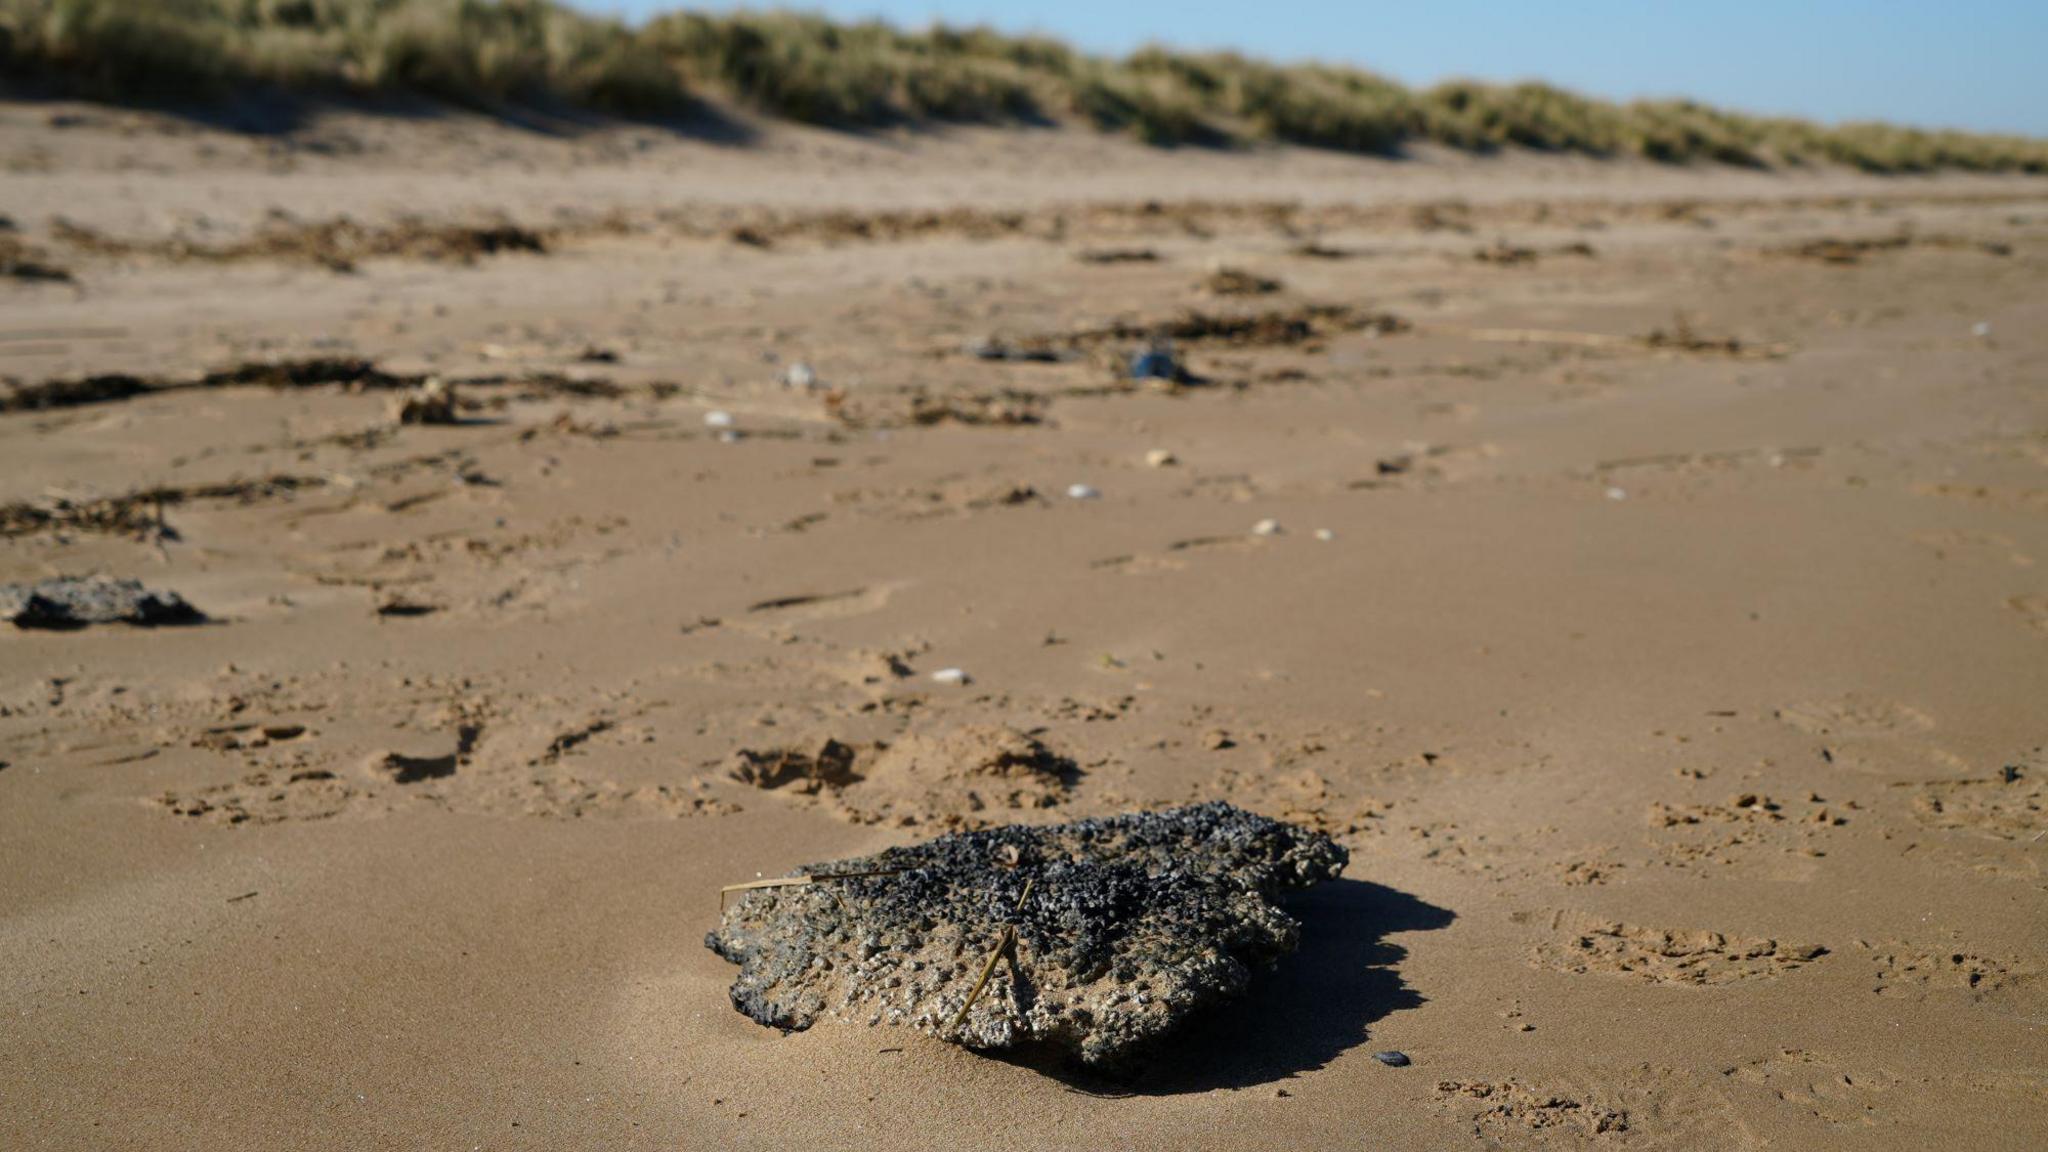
x,y
1313,1007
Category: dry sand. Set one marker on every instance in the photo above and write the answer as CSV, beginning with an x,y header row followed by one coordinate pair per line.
x,y
1680,702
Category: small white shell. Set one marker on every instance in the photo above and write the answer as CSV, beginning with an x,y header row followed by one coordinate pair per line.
x,y
950,676
718,419
1083,492
1267,528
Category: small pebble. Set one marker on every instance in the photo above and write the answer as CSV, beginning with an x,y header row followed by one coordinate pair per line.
x,y
718,419
1981,329
950,676
1160,458
1392,1059
1325,535
800,377
1266,528
1083,492
1616,494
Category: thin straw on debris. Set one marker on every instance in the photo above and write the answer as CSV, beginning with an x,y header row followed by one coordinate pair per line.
x,y
800,881
1003,943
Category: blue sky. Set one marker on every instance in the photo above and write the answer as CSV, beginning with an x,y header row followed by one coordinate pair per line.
x,y
1980,64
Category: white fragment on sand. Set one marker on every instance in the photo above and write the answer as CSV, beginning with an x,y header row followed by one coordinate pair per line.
x,y
950,676
718,419
1981,329
1083,492
1160,458
1325,535
1616,494
1266,528
800,377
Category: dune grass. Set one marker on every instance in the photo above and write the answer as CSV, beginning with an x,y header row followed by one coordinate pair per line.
x,y
486,53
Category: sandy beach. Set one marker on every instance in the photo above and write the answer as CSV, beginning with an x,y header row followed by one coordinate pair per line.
x,y
1641,570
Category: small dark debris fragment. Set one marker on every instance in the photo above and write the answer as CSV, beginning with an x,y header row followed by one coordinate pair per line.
x,y
403,769
242,897
1318,251
1117,256
2009,774
1227,281
1003,350
433,402
71,602
400,607
1392,1059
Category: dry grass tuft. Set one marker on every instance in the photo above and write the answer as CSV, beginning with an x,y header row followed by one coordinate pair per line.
x,y
809,68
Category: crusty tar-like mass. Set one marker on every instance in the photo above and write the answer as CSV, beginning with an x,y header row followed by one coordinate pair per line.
x,y
1120,930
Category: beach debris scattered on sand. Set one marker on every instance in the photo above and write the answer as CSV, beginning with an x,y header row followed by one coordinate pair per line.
x,y
1393,1059
75,602
1017,352
1157,362
801,377
1083,492
20,260
1504,253
1117,256
1160,458
1267,527
1224,280
339,244
1094,940
950,676
433,402
1837,250
1000,408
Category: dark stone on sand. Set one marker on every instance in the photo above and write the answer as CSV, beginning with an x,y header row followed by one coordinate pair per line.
x,y
75,602
1110,933
1392,1059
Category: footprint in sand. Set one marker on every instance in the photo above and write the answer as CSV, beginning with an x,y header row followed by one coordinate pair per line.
x,y
2009,805
265,796
1818,1087
1856,715
1582,944
974,776
1509,1107
1900,969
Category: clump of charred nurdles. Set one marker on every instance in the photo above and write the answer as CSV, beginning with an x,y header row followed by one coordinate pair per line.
x,y
74,602
1108,933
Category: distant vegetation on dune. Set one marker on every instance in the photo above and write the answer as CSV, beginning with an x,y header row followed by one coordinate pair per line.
x,y
497,52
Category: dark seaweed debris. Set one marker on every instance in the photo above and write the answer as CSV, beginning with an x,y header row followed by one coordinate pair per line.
x,y
1112,932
